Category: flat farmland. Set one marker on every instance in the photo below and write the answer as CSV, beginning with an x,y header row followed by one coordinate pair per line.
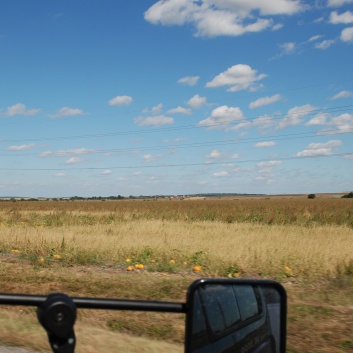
x,y
153,249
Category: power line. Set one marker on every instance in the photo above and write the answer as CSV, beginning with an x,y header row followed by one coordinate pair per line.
x,y
275,117
348,154
189,145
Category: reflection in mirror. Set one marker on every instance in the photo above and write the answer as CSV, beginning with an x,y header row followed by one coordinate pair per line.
x,y
243,316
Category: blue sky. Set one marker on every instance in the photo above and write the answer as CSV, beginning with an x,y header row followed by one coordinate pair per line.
x,y
135,97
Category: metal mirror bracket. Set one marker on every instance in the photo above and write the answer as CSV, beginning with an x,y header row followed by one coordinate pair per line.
x,y
57,315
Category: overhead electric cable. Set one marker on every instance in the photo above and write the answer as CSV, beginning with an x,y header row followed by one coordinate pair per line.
x,y
177,128
348,154
66,153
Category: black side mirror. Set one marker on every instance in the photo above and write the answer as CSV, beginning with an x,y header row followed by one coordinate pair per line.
x,y
244,316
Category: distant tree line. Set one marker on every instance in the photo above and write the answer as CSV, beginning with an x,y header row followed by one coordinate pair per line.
x,y
348,196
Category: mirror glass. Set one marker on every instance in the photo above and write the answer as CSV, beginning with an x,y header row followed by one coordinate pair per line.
x,y
236,316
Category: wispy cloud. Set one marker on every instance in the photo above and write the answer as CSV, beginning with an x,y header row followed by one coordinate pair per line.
x,y
67,111
176,140
106,172
265,101
222,174
179,110
73,160
20,147
265,144
342,94
338,3
68,153
158,120
150,157
314,38
325,44
214,154
189,80
288,48
267,164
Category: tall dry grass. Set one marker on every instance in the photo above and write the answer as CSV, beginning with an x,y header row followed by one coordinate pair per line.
x,y
220,248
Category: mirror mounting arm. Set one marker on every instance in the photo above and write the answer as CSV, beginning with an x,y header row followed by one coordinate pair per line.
x,y
57,315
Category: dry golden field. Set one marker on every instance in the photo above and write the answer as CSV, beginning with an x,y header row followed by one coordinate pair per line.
x,y
149,250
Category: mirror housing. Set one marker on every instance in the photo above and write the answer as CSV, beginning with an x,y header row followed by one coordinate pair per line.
x,y
236,315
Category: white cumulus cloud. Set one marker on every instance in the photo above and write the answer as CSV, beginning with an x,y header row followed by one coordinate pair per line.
x,y
222,117
221,17
319,149
343,122
295,116
120,100
345,18
196,101
318,119
21,109
238,77
157,109
347,35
